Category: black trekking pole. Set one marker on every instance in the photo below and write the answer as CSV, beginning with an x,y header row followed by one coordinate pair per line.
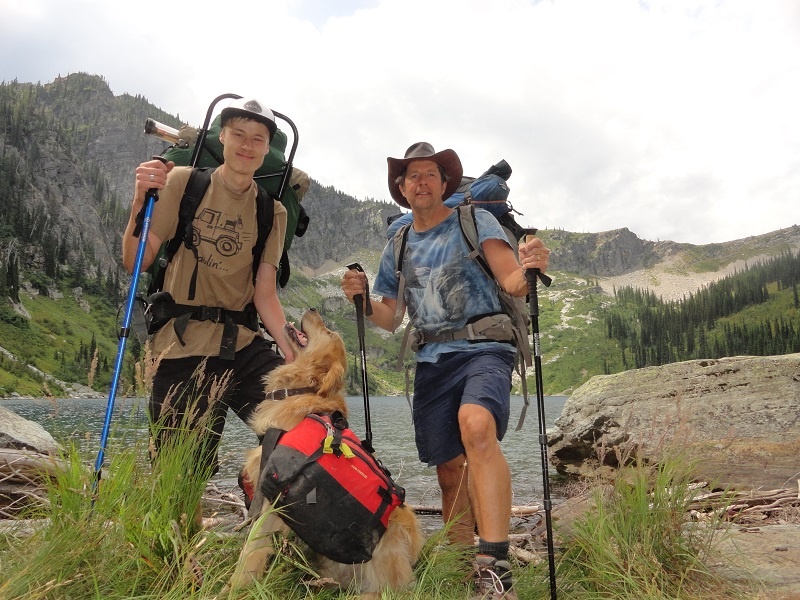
x,y
531,276
150,198
363,306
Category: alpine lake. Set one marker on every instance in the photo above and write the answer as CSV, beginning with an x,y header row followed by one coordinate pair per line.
x,y
78,422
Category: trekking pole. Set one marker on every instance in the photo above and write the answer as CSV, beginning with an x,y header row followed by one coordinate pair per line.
x,y
150,198
531,276
361,302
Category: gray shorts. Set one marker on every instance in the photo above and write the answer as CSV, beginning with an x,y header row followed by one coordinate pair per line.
x,y
440,388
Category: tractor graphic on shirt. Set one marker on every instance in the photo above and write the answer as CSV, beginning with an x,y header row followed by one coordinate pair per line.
x,y
209,226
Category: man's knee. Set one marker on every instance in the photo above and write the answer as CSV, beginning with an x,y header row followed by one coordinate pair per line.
x,y
477,425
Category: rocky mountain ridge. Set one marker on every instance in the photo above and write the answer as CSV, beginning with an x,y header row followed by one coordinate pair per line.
x,y
106,131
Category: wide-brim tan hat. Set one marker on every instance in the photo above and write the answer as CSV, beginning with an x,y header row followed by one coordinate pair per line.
x,y
447,159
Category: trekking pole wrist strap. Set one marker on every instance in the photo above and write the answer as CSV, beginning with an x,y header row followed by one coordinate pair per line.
x,y
139,222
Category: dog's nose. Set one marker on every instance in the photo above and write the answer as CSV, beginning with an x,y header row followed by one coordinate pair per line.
x,y
312,309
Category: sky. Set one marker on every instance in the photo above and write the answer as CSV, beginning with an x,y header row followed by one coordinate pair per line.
x,y
678,119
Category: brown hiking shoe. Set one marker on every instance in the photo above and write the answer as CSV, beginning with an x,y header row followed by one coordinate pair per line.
x,y
493,579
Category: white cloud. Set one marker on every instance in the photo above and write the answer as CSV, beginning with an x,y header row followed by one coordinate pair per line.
x,y
674,118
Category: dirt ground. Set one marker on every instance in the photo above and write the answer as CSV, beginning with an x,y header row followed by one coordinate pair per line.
x,y
766,555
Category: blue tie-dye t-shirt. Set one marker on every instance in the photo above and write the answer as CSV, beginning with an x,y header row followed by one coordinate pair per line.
x,y
444,288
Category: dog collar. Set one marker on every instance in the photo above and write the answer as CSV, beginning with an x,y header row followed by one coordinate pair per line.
x,y
284,393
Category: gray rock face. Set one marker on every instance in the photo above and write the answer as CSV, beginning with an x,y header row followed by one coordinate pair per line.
x,y
738,417
21,434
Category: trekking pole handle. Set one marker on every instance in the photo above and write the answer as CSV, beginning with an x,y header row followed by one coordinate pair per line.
x,y
532,274
153,192
150,194
358,299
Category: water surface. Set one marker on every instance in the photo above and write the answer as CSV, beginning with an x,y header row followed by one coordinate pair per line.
x,y
80,421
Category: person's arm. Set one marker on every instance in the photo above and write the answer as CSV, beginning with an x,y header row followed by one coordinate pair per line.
x,y
270,309
130,244
355,283
510,272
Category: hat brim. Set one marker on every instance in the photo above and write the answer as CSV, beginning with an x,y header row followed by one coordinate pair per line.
x,y
229,113
447,159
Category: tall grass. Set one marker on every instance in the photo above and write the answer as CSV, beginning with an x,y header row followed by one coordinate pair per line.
x,y
636,541
136,536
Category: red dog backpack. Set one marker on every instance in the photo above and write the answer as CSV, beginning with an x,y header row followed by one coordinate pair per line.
x,y
332,492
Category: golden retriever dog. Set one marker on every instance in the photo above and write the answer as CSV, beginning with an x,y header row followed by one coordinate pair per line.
x,y
320,365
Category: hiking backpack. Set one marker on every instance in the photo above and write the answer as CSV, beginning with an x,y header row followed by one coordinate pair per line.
x,y
489,191
332,492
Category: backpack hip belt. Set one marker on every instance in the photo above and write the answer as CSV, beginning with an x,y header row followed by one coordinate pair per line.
x,y
163,308
490,328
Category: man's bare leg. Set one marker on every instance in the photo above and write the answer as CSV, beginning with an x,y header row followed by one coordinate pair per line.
x,y
454,481
489,475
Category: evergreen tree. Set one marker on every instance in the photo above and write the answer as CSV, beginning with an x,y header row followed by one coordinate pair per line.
x,y
12,277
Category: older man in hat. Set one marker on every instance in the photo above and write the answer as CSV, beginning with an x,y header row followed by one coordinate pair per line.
x,y
462,386
212,354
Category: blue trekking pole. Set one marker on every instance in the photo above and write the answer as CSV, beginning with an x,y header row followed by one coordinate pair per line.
x,y
150,198
531,276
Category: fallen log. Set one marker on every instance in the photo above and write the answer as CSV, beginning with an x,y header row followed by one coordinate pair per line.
x,y
739,505
29,464
516,511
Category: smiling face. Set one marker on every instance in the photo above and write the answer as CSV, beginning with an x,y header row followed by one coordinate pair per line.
x,y
245,144
423,185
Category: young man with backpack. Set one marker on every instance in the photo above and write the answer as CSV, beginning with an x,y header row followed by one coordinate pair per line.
x,y
209,351
463,381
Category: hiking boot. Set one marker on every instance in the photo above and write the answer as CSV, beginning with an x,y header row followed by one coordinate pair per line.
x,y
493,579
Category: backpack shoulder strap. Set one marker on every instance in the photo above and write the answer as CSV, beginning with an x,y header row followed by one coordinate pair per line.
x,y
193,193
399,242
265,214
469,229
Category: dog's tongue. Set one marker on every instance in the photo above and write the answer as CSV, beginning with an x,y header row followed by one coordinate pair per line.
x,y
299,338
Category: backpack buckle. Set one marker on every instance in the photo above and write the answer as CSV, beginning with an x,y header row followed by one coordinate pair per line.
x,y
211,313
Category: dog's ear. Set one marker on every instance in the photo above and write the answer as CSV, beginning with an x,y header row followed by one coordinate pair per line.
x,y
333,380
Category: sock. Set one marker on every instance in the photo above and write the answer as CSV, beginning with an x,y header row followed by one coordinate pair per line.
x,y
498,550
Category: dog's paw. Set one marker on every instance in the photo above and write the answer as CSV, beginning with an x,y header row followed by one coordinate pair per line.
x,y
241,579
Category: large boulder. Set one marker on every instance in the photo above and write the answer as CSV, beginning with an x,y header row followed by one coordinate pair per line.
x,y
21,434
739,417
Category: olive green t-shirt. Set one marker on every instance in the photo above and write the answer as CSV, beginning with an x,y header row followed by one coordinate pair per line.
x,y
225,229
